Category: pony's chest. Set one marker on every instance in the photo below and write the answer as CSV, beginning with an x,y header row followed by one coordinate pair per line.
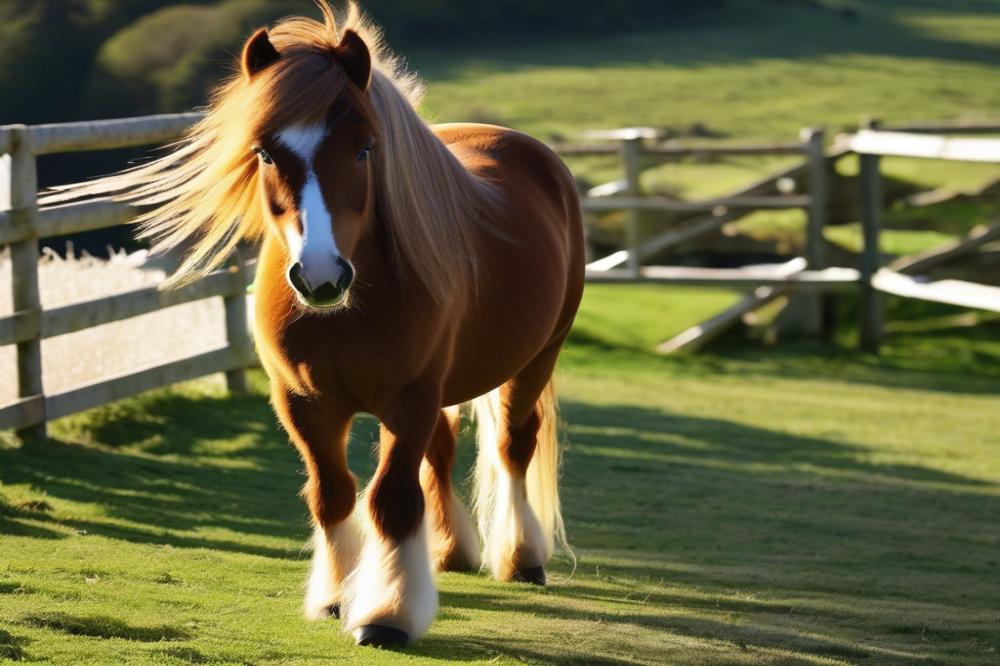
x,y
354,362
319,357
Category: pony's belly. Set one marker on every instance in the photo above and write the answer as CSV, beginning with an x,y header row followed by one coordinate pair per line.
x,y
502,340
467,382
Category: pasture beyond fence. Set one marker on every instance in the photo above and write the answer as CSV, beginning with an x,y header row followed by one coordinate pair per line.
x,y
23,223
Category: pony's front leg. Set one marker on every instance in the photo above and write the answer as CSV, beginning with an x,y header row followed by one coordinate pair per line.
x,y
320,435
391,595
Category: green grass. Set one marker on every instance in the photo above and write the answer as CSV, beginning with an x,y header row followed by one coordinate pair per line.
x,y
799,504
762,72
752,505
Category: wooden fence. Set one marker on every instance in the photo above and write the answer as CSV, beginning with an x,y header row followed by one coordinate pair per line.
x,y
23,223
871,144
809,273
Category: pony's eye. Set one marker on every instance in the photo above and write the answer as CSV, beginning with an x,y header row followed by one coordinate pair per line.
x,y
363,155
262,154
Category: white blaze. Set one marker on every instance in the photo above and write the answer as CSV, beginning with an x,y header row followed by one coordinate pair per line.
x,y
315,247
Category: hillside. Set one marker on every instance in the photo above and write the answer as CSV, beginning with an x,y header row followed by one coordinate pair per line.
x,y
764,72
745,68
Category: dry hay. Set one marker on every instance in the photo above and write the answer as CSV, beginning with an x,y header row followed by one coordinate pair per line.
x,y
96,353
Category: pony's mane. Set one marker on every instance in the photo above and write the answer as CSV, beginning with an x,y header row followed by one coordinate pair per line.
x,y
205,189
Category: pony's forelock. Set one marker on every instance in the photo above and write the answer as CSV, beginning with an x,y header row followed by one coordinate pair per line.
x,y
205,192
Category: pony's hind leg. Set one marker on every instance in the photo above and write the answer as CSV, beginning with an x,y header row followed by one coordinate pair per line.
x,y
321,438
517,501
391,596
454,544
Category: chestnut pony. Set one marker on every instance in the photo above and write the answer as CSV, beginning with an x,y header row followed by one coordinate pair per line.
x,y
404,270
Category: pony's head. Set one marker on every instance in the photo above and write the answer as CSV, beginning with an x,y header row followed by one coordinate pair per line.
x,y
313,142
313,166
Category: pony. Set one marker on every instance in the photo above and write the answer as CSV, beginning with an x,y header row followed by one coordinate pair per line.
x,y
405,270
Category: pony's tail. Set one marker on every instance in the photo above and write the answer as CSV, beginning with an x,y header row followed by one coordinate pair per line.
x,y
541,481
543,473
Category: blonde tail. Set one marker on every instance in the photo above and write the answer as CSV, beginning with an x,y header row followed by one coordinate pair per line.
x,y
504,530
543,474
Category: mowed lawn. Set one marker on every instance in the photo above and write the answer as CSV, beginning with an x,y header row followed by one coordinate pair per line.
x,y
795,504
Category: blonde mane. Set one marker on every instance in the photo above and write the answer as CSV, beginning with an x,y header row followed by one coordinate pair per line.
x,y
205,189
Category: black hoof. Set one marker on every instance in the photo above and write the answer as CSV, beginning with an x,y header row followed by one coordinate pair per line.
x,y
533,575
333,610
378,635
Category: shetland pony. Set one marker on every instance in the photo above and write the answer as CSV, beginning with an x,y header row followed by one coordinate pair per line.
x,y
405,269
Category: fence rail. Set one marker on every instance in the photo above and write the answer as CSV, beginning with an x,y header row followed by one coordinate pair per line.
x,y
25,326
740,278
23,223
907,144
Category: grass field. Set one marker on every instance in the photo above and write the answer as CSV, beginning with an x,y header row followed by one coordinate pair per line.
x,y
752,505
800,504
762,73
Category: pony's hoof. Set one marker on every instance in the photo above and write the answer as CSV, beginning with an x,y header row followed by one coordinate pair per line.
x,y
333,610
533,575
379,635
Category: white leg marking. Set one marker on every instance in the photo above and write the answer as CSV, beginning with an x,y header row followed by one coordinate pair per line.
x,y
392,586
335,555
515,537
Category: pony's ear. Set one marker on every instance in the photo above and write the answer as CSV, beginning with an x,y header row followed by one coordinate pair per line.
x,y
352,54
258,53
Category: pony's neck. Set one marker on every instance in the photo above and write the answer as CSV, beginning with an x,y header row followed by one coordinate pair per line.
x,y
431,206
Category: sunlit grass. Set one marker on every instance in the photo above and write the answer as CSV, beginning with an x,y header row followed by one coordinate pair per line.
x,y
799,504
751,505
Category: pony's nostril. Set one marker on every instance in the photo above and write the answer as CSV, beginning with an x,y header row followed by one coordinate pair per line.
x,y
346,274
327,295
296,280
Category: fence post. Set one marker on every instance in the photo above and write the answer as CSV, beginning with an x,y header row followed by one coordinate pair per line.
x,y
871,209
807,313
630,149
19,193
237,328
814,308
818,192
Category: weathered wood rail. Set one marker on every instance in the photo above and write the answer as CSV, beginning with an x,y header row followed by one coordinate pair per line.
x,y
23,223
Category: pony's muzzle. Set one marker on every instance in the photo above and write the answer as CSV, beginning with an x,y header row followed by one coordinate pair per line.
x,y
327,294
